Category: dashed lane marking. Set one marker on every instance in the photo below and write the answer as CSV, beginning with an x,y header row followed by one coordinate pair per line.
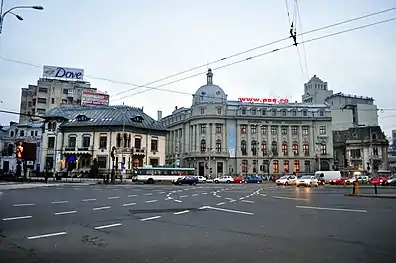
x,y
60,202
290,198
65,213
107,226
222,203
149,194
18,205
229,210
248,201
151,201
16,218
129,204
113,197
161,193
150,218
263,195
178,201
89,200
204,193
101,208
132,195
47,235
333,209
194,194
183,196
181,212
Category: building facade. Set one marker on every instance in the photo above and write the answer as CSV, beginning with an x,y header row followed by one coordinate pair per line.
x,y
218,136
363,148
30,133
347,110
76,136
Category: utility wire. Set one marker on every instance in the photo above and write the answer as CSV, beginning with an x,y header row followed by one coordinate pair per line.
x,y
213,62
253,57
302,39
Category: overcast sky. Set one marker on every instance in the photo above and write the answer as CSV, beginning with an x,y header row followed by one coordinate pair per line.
x,y
141,41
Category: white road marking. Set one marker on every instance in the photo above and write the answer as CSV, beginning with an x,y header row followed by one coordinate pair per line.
x,y
115,189
241,198
229,210
65,213
248,201
151,201
204,193
89,200
181,212
169,198
186,189
161,193
203,207
333,209
132,195
60,202
222,203
113,197
263,195
150,218
101,208
129,204
183,196
17,205
218,196
232,201
194,194
179,201
47,235
96,189
108,226
16,218
229,198
149,194
290,198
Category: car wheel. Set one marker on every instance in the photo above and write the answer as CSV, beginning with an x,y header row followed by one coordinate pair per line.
x,y
286,184
216,182
228,182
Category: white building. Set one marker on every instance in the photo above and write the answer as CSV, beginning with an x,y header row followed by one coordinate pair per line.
x,y
219,136
76,136
30,133
347,111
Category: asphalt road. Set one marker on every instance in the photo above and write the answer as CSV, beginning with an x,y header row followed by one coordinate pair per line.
x,y
205,223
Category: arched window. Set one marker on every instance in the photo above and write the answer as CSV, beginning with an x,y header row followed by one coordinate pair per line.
x,y
274,148
243,147
218,146
295,148
203,145
254,147
306,148
284,148
264,147
118,140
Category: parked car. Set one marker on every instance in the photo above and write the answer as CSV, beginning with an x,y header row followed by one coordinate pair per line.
x,y
253,179
202,180
191,180
224,179
307,181
287,180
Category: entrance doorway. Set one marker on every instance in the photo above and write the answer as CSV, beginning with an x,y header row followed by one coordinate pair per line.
x,y
201,168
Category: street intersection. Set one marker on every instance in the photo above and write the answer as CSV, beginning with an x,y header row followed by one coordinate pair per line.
x,y
204,223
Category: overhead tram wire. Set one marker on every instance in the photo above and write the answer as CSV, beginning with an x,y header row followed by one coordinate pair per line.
x,y
252,49
237,54
302,38
253,57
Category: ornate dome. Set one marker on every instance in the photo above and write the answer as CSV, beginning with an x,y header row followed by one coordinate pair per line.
x,y
209,93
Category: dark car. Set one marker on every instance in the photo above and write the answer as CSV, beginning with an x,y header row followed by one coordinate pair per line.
x,y
253,179
191,180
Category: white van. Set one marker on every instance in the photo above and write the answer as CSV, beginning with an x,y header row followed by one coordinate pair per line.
x,y
326,176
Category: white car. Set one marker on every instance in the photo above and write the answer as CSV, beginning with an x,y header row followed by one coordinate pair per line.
x,y
224,179
286,180
307,181
201,180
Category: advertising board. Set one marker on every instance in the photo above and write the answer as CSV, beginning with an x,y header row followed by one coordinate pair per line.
x,y
264,100
63,73
95,98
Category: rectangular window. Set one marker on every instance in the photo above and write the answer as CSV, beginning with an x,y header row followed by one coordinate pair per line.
x,y
322,130
264,112
253,129
154,145
53,100
294,113
294,130
254,166
275,166
103,142
306,149
274,130
42,100
355,153
102,161
43,90
273,113
284,113
202,111
138,143
244,166
286,166
51,143
264,130
72,141
243,111
243,129
218,110
284,130
86,141
375,151
296,166
203,128
305,130
323,149
307,166
253,111
218,128
305,113
321,113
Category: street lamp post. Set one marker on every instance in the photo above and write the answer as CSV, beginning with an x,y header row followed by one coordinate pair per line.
x,y
10,11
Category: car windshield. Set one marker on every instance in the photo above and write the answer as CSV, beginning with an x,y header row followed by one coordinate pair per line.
x,y
306,177
284,177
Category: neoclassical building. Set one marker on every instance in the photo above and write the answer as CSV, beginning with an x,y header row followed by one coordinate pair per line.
x,y
219,136
75,136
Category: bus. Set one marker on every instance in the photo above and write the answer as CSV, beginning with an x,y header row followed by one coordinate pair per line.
x,y
150,175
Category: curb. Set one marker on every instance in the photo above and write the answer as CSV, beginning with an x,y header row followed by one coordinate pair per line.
x,y
373,196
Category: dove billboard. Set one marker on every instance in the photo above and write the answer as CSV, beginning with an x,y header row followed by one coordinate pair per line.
x,y
63,72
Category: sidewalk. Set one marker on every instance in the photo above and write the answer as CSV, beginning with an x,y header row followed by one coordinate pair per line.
x,y
374,195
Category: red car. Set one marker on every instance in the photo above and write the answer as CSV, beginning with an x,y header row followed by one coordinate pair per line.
x,y
378,180
238,180
339,181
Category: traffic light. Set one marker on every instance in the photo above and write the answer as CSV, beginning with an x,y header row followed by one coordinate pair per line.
x,y
19,151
